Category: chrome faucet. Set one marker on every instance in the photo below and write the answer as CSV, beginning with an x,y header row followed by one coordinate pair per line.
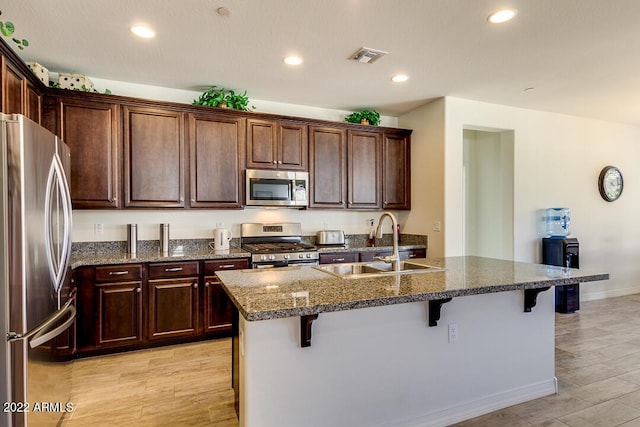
x,y
395,256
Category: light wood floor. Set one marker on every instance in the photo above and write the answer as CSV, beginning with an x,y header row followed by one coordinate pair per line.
x,y
184,385
597,365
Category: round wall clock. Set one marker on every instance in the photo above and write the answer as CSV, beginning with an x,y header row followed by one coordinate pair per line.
x,y
610,183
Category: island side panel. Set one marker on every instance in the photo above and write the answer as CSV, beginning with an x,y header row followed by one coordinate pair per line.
x,y
385,365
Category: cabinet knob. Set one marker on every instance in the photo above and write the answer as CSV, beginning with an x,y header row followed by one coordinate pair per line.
x,y
206,284
275,162
279,162
195,286
138,290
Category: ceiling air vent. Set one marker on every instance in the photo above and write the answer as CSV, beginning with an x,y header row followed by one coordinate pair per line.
x,y
367,56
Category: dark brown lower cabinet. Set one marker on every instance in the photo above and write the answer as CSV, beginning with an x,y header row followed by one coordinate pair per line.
x,y
118,305
132,306
217,307
173,308
119,313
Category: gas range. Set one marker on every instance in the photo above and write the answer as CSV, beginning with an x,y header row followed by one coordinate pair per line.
x,y
277,245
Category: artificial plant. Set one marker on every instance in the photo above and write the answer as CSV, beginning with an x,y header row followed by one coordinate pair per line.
x,y
371,116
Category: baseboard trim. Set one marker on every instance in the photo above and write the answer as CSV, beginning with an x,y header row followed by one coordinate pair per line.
x,y
484,405
611,293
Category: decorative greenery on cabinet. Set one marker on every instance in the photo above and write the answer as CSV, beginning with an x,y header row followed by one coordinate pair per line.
x,y
7,29
220,97
364,117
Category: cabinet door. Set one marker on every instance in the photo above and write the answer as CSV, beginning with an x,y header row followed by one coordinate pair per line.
x,y
173,308
293,146
364,165
216,161
153,157
396,175
12,93
119,307
261,144
217,306
327,167
33,103
91,129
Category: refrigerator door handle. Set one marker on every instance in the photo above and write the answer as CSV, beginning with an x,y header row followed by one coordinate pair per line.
x,y
42,330
57,185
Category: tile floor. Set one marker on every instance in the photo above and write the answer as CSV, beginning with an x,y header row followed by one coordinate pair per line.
x,y
597,365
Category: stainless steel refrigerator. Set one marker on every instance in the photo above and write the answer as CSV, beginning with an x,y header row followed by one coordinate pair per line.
x,y
37,303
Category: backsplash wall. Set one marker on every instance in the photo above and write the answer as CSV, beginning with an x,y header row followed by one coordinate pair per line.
x,y
199,224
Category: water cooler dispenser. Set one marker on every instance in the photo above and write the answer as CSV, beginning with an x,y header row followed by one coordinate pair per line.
x,y
563,252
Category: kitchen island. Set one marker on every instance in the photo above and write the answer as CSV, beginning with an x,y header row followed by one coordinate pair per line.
x,y
316,349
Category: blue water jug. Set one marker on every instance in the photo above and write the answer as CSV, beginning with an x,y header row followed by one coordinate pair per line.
x,y
558,222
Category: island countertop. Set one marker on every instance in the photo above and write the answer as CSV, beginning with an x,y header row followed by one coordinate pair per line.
x,y
301,291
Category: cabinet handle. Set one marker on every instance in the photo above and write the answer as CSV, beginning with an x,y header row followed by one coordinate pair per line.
x,y
279,162
195,286
338,259
138,290
412,255
227,266
174,269
118,273
275,162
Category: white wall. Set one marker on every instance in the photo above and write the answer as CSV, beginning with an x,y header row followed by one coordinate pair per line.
x,y
199,223
427,173
557,160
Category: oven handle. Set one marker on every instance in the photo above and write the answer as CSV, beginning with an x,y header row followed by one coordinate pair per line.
x,y
284,264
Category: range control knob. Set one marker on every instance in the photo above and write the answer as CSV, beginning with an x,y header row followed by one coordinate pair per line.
x,y
286,256
300,255
263,257
308,255
272,257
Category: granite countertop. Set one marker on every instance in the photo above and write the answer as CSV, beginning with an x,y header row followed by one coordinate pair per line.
x,y
121,257
300,291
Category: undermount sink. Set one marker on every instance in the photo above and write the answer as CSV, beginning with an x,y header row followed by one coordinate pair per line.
x,y
365,269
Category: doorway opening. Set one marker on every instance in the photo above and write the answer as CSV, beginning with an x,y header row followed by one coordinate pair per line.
x,y
488,192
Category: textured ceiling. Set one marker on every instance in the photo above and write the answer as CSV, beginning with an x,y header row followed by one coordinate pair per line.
x,y
581,56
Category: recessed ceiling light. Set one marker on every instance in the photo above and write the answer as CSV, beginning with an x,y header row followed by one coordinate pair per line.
x,y
292,60
223,11
398,78
502,15
143,31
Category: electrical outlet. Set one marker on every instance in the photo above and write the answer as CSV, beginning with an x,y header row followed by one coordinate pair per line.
x,y
453,332
436,225
98,228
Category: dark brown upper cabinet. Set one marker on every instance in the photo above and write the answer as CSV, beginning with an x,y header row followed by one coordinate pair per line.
x,y
396,171
154,157
12,89
216,161
364,167
276,145
327,167
92,132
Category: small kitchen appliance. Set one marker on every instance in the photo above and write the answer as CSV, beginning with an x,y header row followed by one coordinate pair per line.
x,y
221,239
330,237
277,245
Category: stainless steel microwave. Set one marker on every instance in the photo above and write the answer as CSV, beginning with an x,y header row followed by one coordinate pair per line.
x,y
277,188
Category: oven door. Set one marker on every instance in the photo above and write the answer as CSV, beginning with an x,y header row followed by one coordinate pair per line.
x,y
279,264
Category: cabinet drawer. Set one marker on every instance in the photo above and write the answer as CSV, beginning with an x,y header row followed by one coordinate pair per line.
x,y
167,270
210,267
123,272
339,257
